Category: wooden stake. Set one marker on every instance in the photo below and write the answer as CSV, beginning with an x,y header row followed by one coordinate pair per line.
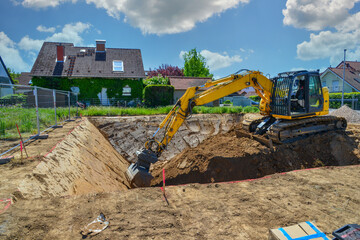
x,y
22,140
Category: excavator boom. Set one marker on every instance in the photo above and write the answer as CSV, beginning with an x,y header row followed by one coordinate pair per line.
x,y
138,173
290,104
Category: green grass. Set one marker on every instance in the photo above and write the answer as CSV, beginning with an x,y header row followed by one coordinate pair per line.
x,y
115,111
26,117
26,120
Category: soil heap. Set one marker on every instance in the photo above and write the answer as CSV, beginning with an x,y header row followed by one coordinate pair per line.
x,y
350,115
84,162
228,157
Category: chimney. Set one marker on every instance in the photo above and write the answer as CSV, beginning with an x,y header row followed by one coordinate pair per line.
x,y
100,45
59,53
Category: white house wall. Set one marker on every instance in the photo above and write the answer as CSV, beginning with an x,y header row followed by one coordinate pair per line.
x,y
330,77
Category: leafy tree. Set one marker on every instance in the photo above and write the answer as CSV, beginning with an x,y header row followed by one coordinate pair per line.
x,y
166,70
14,75
157,80
195,65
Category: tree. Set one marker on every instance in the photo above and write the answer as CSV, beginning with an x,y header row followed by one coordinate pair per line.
x,y
14,75
157,80
166,70
195,65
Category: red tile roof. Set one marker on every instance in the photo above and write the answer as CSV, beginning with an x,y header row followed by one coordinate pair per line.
x,y
351,64
86,62
24,78
351,77
183,83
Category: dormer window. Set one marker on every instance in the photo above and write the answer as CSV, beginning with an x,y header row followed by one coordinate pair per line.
x,y
118,66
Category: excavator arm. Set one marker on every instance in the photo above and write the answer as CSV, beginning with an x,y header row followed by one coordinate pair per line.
x,y
138,173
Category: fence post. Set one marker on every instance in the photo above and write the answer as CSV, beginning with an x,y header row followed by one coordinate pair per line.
x,y
69,101
77,105
37,110
352,102
69,104
54,98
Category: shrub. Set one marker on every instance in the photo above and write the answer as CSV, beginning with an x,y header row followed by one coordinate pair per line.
x,y
157,80
158,95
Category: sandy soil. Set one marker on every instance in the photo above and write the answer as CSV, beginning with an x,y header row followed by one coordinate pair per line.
x,y
15,171
329,197
41,146
84,176
84,162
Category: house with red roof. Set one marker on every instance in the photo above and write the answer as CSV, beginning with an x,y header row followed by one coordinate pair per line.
x,y
333,77
101,75
181,84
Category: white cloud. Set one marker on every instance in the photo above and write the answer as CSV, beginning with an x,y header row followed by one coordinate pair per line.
x,y
70,33
28,44
216,60
41,28
316,15
11,55
329,44
155,16
44,3
343,28
9,50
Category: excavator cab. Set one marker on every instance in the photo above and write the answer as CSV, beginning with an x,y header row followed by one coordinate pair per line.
x,y
297,94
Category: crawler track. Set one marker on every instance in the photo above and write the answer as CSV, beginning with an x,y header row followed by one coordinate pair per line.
x,y
290,131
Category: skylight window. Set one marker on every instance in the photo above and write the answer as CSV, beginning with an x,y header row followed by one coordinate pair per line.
x,y
118,66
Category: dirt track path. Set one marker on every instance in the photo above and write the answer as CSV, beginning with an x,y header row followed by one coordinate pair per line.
x,y
330,197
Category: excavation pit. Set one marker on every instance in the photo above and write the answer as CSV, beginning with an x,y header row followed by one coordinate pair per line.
x,y
93,158
210,148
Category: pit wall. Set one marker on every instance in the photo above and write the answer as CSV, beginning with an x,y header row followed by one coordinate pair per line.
x,y
129,134
84,162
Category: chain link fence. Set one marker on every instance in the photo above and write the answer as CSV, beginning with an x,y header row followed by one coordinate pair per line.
x,y
29,111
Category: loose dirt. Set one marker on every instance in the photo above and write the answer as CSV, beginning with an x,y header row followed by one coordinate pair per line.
x,y
350,115
228,157
56,195
329,197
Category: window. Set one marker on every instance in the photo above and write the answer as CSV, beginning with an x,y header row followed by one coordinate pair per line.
x,y
127,91
335,86
315,96
118,66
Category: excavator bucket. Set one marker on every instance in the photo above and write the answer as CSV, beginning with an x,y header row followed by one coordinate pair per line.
x,y
138,173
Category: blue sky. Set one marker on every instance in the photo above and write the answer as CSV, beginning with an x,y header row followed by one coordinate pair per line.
x,y
267,35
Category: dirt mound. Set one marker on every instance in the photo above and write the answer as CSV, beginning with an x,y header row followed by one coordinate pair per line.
x,y
227,157
350,115
85,162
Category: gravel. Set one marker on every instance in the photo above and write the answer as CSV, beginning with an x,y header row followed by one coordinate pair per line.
x,y
350,115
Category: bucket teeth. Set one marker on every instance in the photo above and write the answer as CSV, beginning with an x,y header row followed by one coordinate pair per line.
x,y
138,173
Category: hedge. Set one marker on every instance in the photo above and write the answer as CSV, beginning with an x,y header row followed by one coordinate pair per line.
x,y
352,95
158,95
333,104
91,87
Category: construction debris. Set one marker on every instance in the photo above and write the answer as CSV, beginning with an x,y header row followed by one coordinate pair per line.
x,y
96,226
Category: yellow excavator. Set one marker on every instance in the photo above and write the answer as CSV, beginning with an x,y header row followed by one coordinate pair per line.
x,y
293,105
